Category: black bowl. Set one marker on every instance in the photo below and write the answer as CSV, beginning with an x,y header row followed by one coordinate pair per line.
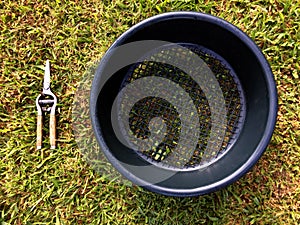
x,y
253,76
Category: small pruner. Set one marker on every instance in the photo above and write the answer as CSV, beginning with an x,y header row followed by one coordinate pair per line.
x,y
46,102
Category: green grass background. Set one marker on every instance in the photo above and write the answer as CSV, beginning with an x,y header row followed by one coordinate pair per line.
x,y
59,187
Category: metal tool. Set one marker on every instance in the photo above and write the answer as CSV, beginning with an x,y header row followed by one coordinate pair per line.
x,y
46,102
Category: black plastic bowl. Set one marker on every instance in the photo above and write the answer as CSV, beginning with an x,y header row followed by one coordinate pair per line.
x,y
254,75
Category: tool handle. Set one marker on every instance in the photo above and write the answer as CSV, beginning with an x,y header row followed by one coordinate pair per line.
x,y
39,132
52,131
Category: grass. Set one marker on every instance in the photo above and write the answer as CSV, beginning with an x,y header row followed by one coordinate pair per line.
x,y
59,187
